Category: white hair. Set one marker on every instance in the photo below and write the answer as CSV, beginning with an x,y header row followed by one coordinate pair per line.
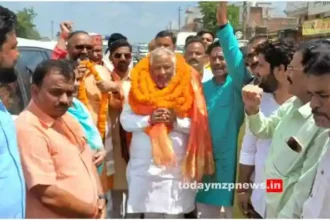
x,y
161,52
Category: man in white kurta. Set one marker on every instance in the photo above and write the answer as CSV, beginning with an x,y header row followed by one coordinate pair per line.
x,y
254,153
153,189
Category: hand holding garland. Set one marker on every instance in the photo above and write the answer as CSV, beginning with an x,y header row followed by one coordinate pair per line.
x,y
108,86
102,115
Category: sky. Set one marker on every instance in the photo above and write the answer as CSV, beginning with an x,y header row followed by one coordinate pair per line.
x,y
138,21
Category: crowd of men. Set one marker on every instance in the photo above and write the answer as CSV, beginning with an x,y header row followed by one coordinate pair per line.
x,y
103,139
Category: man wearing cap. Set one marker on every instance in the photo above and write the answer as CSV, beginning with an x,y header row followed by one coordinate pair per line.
x,y
97,55
106,59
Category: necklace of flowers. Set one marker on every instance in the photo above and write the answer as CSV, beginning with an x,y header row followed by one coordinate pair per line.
x,y
82,96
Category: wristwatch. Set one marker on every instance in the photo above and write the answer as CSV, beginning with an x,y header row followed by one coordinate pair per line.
x,y
103,197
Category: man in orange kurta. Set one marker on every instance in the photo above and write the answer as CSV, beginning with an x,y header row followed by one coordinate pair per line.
x,y
79,46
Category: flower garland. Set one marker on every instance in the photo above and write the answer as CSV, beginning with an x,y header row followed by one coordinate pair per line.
x,y
145,97
116,100
82,96
178,95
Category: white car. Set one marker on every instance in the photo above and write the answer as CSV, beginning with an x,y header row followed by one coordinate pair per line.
x,y
33,52
16,95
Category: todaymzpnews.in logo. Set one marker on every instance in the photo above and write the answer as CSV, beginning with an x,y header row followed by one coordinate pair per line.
x,y
271,186
223,186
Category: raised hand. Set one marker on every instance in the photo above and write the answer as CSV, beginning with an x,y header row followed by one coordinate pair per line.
x,y
66,28
252,95
222,13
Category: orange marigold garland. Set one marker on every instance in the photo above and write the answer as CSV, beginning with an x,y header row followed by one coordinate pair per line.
x,y
183,95
82,96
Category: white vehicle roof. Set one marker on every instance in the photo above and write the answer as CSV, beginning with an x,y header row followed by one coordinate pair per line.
x,y
182,36
50,45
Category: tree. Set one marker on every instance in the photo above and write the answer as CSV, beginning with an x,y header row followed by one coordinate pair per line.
x,y
25,27
209,11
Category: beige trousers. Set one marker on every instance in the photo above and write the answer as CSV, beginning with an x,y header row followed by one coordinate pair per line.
x,y
210,211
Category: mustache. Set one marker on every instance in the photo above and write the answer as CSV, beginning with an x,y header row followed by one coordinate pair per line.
x,y
316,112
122,62
193,61
63,105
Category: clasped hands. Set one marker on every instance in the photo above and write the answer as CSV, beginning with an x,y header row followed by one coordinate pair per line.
x,y
163,115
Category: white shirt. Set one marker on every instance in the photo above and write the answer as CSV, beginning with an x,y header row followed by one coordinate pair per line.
x,y
318,203
254,152
153,189
207,75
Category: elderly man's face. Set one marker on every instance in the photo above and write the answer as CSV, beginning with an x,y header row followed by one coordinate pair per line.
x,y
162,70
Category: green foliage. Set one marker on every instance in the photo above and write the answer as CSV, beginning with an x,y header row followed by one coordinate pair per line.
x,y
209,11
25,27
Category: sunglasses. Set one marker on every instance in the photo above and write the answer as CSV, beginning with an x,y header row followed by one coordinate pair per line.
x,y
82,47
119,55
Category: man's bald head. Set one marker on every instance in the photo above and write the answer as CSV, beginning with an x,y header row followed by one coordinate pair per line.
x,y
80,45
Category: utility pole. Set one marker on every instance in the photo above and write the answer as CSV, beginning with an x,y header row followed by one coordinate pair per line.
x,y
179,18
52,29
244,19
170,26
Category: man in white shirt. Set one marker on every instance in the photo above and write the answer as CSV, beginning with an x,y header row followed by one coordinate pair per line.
x,y
254,150
318,81
165,146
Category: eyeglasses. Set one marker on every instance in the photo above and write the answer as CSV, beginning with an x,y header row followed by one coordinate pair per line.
x,y
126,55
82,47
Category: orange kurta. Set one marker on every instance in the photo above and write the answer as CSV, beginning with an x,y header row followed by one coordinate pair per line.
x,y
54,152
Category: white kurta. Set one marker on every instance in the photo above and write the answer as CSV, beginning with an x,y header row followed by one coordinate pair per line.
x,y
153,189
318,203
255,151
